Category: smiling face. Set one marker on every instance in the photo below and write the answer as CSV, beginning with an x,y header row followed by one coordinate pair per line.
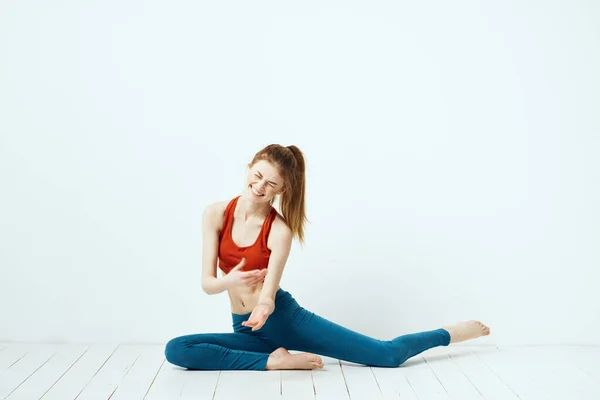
x,y
263,182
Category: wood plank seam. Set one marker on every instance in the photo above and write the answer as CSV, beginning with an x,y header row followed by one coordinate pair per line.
x,y
466,376
434,374
153,379
495,374
63,374
216,385
92,378
44,363
16,361
344,376
411,387
124,376
376,381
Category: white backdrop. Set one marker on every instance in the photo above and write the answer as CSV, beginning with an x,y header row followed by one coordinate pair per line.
x,y
451,151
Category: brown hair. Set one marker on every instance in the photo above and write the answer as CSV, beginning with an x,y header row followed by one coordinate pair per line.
x,y
290,163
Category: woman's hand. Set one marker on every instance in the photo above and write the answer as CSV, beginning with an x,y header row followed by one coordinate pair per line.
x,y
236,277
259,315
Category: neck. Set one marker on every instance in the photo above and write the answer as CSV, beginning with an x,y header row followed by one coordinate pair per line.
x,y
254,210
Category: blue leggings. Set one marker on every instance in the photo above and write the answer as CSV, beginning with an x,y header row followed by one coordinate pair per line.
x,y
294,328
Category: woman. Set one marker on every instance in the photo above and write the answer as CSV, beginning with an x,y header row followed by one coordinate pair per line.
x,y
251,242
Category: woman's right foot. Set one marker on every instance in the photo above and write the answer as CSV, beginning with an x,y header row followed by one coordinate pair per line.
x,y
283,359
466,330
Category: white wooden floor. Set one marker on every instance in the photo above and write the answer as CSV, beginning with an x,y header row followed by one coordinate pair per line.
x,y
62,372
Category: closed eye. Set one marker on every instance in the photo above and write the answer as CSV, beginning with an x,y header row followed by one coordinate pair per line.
x,y
260,177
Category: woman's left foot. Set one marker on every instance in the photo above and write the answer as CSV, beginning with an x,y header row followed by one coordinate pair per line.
x,y
466,330
283,359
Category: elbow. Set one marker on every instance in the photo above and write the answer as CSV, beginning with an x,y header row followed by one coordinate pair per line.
x,y
205,286
209,286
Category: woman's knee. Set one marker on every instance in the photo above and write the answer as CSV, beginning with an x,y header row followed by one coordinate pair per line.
x,y
393,357
175,350
387,361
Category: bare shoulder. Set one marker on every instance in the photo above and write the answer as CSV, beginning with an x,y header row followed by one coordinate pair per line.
x,y
214,213
280,231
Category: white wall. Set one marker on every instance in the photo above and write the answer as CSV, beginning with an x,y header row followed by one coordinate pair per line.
x,y
451,148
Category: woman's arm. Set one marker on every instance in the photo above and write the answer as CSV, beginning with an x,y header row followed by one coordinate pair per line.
x,y
280,242
212,221
280,239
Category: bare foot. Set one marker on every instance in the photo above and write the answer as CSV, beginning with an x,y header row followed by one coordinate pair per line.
x,y
283,359
466,330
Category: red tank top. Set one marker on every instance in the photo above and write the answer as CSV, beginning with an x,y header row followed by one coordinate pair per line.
x,y
230,254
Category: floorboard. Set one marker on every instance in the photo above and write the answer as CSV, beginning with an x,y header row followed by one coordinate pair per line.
x,y
140,372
